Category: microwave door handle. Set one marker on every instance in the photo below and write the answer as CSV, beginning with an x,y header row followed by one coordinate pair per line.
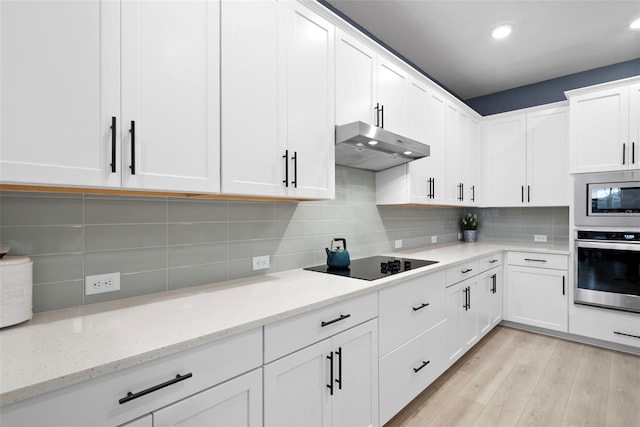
x,y
606,245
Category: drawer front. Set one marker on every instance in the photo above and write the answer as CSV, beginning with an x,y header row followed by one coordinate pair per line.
x,y
463,271
404,374
489,262
289,335
624,330
96,402
535,259
410,308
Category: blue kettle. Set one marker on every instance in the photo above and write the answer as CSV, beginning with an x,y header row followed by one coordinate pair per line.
x,y
338,256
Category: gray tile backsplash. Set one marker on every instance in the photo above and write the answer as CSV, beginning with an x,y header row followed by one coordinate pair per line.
x,y
159,243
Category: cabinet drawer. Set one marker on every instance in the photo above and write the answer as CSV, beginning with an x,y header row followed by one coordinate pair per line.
x,y
404,374
410,308
96,402
535,259
488,262
617,327
289,335
462,271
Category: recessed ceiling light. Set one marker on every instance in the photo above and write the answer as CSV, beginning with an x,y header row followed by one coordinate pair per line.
x,y
635,25
406,153
501,31
372,142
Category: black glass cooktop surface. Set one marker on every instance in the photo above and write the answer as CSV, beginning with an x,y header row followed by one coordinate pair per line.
x,y
372,268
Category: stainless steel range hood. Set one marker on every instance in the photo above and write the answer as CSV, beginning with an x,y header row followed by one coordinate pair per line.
x,y
363,146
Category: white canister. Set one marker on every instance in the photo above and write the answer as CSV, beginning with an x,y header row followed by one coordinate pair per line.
x,y
16,290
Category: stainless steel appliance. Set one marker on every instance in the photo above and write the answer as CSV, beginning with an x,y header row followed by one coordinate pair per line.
x,y
608,269
363,146
372,268
608,199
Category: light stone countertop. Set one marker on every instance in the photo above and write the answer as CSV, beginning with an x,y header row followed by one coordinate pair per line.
x,y
64,347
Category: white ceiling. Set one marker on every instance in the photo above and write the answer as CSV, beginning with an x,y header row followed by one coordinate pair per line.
x,y
450,40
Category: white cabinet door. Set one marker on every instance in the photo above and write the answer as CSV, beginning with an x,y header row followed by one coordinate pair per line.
x,y
60,85
237,403
146,421
295,388
475,165
392,90
170,95
253,140
470,313
355,80
310,95
457,188
505,148
356,368
548,157
599,130
489,300
537,297
456,301
634,127
496,296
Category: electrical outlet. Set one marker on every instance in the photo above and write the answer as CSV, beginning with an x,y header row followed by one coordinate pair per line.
x,y
539,237
434,239
260,262
102,283
459,236
398,244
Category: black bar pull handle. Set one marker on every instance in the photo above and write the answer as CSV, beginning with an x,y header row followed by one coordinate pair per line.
x,y
624,153
132,131
535,260
469,297
423,305
461,192
563,281
330,385
465,300
633,153
473,193
494,289
416,370
626,335
131,396
466,270
286,168
528,194
377,108
493,261
113,145
294,181
342,317
433,192
522,193
382,114
339,379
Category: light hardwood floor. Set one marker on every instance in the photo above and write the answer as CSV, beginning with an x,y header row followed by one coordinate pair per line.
x,y
518,378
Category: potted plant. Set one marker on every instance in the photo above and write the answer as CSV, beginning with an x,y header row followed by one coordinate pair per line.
x,y
470,225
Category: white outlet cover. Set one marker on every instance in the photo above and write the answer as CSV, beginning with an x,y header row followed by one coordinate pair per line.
x,y
398,244
260,262
539,237
102,283
434,239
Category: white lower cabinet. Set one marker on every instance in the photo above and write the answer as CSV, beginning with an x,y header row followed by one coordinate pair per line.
x,y
537,290
609,325
194,378
331,383
235,403
490,299
462,318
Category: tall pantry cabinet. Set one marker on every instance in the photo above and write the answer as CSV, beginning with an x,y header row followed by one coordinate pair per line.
x,y
277,100
106,93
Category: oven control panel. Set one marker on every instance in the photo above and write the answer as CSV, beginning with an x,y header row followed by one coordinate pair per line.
x,y
610,236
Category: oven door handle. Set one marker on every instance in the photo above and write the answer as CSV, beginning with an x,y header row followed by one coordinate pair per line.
x,y
607,245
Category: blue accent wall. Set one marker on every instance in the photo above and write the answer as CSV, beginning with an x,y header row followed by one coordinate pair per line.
x,y
552,90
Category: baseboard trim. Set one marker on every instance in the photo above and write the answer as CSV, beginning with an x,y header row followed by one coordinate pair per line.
x,y
572,337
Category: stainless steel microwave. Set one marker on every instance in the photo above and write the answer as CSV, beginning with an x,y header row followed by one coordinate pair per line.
x,y
610,199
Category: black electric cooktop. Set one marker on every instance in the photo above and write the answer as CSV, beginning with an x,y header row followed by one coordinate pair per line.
x,y
372,268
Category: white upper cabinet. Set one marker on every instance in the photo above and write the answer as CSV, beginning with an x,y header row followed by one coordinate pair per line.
x,y
527,159
170,95
60,85
548,157
604,129
278,117
128,96
391,97
505,155
475,165
355,80
457,155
